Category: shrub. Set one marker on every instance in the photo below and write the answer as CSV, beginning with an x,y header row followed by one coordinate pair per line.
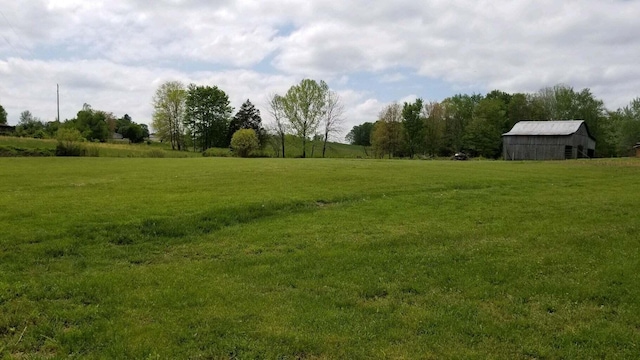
x,y
244,141
74,149
69,143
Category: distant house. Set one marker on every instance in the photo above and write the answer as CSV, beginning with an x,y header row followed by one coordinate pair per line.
x,y
7,129
636,147
117,136
548,140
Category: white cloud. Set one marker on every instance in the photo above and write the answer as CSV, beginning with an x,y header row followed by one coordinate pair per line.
x,y
113,54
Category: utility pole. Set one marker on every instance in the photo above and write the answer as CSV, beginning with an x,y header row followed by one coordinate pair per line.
x,y
58,96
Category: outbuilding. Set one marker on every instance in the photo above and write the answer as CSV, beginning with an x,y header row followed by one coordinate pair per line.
x,y
636,147
7,129
548,140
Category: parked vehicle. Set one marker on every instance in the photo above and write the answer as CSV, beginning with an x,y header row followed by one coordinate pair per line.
x,y
460,156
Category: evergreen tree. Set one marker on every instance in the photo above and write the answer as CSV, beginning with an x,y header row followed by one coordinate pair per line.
x,y
248,117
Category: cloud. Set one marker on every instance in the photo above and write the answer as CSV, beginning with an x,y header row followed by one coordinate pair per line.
x,y
114,54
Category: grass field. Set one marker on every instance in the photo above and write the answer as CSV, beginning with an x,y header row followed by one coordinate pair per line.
x,y
292,258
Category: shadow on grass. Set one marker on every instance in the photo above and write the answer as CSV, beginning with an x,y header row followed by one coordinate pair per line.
x,y
176,228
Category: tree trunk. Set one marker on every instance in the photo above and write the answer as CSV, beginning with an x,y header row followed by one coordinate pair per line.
x,y
304,144
324,145
304,147
282,138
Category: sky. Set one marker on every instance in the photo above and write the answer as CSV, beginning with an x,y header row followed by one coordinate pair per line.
x,y
114,54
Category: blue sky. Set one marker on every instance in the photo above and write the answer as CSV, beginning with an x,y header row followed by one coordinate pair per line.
x,y
114,54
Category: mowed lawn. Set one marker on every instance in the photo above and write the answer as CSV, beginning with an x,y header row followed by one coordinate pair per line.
x,y
319,259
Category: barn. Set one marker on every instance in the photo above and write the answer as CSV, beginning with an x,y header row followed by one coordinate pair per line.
x,y
636,147
548,140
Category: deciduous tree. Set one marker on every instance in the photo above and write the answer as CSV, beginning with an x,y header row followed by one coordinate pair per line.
x,y
168,113
3,115
280,124
483,135
332,119
92,124
30,126
458,113
413,126
626,122
388,133
360,134
207,116
304,106
433,114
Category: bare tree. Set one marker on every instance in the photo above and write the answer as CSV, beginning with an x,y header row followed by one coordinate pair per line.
x,y
280,126
333,117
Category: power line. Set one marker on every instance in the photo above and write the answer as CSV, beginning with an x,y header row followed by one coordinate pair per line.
x,y
12,29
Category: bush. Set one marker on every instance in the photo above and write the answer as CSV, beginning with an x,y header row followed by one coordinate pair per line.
x,y
69,143
73,149
244,141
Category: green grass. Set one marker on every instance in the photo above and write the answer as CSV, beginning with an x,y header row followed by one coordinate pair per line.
x,y
292,258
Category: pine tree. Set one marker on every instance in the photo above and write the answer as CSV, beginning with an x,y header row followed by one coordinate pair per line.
x,y
248,117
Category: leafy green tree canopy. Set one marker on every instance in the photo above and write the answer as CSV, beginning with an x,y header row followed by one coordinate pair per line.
x,y
414,126
207,116
3,115
304,107
244,141
360,134
168,113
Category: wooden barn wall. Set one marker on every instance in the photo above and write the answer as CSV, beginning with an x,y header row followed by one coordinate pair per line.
x,y
581,138
535,147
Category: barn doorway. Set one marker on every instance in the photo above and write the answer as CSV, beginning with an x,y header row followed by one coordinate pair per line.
x,y
568,152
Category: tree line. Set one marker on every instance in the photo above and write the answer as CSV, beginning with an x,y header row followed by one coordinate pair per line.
x,y
89,124
475,123
200,116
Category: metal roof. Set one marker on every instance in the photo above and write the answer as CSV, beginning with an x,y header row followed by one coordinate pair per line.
x,y
563,127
